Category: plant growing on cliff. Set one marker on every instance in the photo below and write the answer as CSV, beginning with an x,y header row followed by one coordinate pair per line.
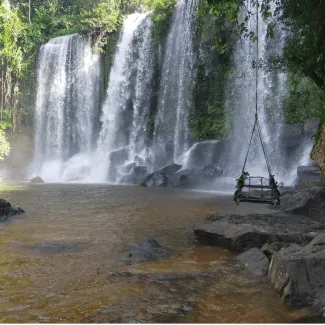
x,y
162,11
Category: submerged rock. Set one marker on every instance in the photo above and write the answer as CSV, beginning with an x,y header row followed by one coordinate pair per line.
x,y
298,273
56,247
255,261
7,210
37,180
240,233
147,250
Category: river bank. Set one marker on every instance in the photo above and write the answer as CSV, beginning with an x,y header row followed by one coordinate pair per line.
x,y
61,260
287,246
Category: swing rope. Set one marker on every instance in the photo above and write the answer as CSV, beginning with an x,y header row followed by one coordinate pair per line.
x,y
257,122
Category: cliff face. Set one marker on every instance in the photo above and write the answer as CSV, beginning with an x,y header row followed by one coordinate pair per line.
x,y
318,152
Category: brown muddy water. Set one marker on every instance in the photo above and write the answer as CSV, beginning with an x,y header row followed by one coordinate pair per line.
x,y
60,261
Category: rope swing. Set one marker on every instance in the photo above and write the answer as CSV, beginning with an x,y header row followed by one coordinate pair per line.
x,y
245,176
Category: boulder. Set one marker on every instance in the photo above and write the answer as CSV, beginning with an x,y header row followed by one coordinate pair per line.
x,y
7,210
140,171
156,179
119,157
206,153
240,233
147,250
298,273
128,167
186,178
136,176
171,169
310,202
270,248
37,180
199,178
255,261
211,171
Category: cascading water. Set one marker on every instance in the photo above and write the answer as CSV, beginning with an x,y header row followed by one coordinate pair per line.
x,y
177,81
241,103
66,107
125,111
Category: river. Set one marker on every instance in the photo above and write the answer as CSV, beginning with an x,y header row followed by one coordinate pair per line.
x,y
60,261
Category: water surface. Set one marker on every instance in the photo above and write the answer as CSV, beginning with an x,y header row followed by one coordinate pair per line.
x,y
60,262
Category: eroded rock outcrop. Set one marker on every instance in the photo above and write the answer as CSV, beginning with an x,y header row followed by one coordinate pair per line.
x,y
240,233
318,152
298,275
309,202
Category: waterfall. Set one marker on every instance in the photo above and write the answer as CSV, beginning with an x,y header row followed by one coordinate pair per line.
x,y
241,103
66,105
125,111
177,81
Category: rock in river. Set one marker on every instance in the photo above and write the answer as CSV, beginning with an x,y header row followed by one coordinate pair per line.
x,y
37,180
298,275
7,210
240,233
156,179
255,261
147,250
310,202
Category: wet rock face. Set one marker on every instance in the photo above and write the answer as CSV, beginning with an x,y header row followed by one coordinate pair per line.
x,y
240,233
147,250
7,210
172,169
310,202
156,179
298,275
270,249
318,153
255,261
117,158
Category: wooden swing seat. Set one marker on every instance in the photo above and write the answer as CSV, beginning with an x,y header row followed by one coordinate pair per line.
x,y
258,190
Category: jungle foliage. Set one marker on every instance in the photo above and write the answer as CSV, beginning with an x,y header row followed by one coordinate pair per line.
x,y
303,56
26,24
